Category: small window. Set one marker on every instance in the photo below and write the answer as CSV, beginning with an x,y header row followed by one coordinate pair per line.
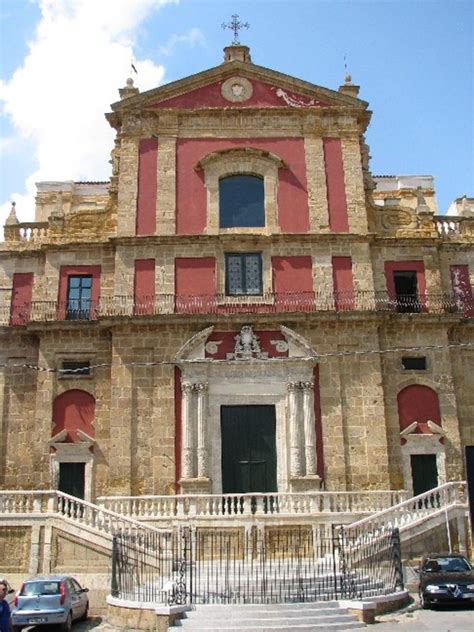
x,y
414,364
244,274
79,294
406,291
75,369
241,202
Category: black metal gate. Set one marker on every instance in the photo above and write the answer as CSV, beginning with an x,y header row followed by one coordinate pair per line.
x,y
252,565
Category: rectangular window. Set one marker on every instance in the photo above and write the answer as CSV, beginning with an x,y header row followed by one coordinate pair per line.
x,y
79,297
72,368
406,291
243,274
414,364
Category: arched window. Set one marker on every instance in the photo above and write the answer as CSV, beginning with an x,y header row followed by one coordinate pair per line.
x,y
241,201
72,411
418,403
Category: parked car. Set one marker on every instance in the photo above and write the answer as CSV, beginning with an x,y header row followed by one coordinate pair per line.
x,y
445,579
58,599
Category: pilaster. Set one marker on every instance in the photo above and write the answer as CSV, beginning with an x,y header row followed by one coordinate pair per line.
x,y
127,187
166,178
316,179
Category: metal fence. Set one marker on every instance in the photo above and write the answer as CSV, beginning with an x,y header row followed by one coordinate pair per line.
x,y
250,565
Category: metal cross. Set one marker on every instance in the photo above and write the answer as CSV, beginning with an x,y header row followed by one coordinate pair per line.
x,y
235,25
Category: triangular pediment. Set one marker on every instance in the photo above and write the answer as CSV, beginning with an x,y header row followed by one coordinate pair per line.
x,y
242,85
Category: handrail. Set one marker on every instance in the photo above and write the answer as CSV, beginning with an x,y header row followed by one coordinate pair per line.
x,y
270,302
54,502
411,510
158,507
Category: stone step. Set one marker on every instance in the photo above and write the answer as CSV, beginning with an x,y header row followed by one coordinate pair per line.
x,y
257,623
274,627
264,612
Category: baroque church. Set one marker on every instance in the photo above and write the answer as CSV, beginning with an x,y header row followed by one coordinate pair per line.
x,y
244,307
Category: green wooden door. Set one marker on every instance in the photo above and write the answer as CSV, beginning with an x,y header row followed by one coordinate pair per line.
x,y
248,449
424,472
72,479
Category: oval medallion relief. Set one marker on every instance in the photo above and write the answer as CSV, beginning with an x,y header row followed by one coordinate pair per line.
x,y
236,89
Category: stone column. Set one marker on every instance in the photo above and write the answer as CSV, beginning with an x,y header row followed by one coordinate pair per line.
x,y
202,455
309,429
187,430
296,462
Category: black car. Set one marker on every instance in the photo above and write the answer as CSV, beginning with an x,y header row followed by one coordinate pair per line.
x,y
445,579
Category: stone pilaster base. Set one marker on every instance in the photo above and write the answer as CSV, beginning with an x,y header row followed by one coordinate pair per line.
x,y
190,486
305,483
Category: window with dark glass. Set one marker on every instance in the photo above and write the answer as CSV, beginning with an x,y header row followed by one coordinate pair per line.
x,y
244,273
406,291
414,363
79,294
73,368
241,201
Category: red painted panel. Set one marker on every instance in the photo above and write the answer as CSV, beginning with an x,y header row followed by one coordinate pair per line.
x,y
406,266
177,428
22,293
263,95
293,213
418,403
336,188
144,287
318,424
195,284
147,186
293,283
67,271
343,283
226,343
462,290
72,411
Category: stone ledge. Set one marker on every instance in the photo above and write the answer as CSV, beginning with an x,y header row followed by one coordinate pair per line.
x,y
139,615
366,609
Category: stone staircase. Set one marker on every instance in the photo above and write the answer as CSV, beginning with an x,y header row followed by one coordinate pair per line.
x,y
304,617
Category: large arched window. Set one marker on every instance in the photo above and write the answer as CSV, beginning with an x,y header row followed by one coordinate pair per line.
x,y
241,201
72,411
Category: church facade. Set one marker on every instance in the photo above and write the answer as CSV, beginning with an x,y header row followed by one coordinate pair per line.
x,y
242,308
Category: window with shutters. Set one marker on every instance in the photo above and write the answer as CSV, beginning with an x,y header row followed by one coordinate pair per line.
x,y
244,274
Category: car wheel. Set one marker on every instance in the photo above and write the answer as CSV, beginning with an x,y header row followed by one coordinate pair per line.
x,y
67,625
85,616
17,628
424,603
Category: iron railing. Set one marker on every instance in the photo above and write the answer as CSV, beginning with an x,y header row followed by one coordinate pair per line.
x,y
278,565
270,302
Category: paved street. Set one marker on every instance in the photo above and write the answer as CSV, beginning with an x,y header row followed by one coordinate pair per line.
x,y
414,619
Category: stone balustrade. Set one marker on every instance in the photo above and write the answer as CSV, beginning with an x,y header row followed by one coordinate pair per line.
x,y
33,232
231,506
449,226
411,510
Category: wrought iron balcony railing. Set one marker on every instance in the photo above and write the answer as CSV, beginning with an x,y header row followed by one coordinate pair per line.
x,y
165,304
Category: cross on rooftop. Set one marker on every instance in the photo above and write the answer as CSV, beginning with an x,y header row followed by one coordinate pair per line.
x,y
235,25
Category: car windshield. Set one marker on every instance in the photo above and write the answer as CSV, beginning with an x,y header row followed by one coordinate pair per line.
x,y
446,565
40,588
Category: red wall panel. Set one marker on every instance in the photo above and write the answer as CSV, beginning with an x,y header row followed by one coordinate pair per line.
x,y
462,290
147,186
195,283
418,403
67,271
343,283
22,293
336,188
263,95
144,286
72,411
293,283
293,213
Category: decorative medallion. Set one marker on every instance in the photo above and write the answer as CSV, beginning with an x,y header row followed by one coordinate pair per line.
x,y
247,346
236,89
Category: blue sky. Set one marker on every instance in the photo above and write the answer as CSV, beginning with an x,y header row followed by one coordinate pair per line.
x,y
62,62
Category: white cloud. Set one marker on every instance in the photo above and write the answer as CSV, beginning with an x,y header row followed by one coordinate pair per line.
x,y
192,38
79,57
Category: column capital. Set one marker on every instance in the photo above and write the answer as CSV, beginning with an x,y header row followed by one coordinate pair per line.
x,y
187,387
201,386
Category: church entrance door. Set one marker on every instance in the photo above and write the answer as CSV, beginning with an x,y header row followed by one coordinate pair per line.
x,y
72,479
248,449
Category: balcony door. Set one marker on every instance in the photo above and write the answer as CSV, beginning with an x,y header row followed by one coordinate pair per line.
x,y
248,449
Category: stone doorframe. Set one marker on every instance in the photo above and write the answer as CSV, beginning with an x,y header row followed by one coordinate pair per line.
x,y
73,453
287,385
422,444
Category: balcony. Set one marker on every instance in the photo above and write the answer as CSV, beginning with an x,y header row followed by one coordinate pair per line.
x,y
216,304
